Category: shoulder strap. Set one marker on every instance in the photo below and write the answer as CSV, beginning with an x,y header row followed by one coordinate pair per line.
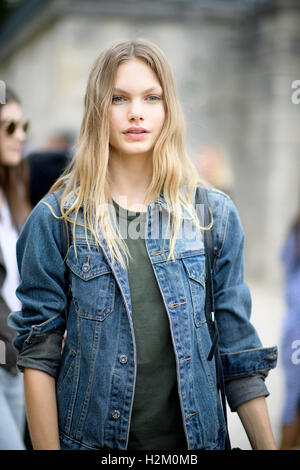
x,y
201,198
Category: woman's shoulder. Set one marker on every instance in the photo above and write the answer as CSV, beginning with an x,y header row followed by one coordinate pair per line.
x,y
218,200
49,204
226,218
45,213
217,195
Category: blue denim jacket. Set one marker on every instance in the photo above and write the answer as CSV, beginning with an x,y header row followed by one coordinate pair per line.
x,y
96,371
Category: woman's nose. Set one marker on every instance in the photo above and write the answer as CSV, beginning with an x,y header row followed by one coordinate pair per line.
x,y
136,111
20,135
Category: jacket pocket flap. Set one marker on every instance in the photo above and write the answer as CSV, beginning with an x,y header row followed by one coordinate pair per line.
x,y
195,267
87,264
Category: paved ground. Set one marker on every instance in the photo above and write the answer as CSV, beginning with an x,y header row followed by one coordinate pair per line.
x,y
267,315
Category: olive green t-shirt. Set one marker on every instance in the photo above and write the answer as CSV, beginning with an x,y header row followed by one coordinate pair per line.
x,y
156,422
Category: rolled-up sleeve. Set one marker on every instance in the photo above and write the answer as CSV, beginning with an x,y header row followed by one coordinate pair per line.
x,y
42,291
238,391
240,347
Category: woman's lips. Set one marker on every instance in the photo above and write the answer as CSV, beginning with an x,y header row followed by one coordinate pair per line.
x,y
135,135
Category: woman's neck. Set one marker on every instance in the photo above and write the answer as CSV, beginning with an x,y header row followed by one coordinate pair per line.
x,y
130,178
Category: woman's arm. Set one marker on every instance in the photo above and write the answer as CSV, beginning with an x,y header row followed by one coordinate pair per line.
x,y
255,419
40,396
41,322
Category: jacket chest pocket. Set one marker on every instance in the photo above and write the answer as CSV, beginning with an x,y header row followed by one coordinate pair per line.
x,y
92,282
195,268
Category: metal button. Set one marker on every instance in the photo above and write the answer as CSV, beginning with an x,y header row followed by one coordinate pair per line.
x,y
123,359
86,267
116,414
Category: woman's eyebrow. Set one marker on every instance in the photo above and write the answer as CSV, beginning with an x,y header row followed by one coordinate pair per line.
x,y
155,88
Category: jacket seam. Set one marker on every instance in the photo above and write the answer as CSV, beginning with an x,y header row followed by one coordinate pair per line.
x,y
248,350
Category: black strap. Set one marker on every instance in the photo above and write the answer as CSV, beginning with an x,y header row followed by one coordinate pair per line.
x,y
201,198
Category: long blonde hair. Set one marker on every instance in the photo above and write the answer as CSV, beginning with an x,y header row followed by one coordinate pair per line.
x,y
85,183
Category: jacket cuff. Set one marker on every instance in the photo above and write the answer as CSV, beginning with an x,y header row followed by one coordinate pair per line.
x,y
44,355
248,362
239,391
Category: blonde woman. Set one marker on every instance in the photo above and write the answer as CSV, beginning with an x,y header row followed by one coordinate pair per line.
x,y
130,288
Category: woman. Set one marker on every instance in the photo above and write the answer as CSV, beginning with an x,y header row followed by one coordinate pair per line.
x,y
290,340
14,208
133,373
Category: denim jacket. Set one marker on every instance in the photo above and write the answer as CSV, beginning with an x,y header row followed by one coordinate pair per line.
x,y
96,369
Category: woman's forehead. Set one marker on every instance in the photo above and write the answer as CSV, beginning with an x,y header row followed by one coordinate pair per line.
x,y
11,111
136,74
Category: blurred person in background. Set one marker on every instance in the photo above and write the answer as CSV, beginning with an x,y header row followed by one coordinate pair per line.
x,y
60,141
14,209
290,341
214,168
48,163
45,167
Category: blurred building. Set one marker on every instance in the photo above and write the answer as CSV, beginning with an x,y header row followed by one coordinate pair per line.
x,y
234,61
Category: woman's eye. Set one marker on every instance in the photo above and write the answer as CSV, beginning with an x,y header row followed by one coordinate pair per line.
x,y
121,99
153,98
117,99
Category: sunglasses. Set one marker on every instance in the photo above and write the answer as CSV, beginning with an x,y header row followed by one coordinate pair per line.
x,y
11,126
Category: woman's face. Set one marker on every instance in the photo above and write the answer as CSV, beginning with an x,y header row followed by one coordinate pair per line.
x,y
11,145
137,111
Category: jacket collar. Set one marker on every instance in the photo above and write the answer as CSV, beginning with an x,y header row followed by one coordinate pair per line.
x,y
159,201
162,202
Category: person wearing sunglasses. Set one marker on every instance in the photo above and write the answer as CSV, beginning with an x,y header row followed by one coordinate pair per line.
x,y
12,126
14,209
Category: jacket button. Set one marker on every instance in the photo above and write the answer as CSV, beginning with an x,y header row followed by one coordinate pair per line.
x,y
86,267
116,414
123,359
